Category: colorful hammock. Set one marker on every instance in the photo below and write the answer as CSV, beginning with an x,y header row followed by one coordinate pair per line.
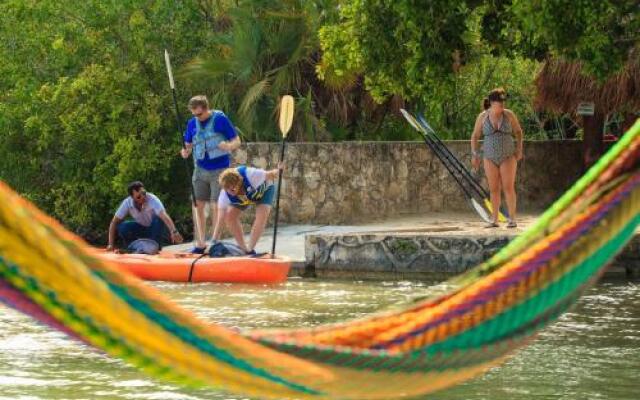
x,y
489,311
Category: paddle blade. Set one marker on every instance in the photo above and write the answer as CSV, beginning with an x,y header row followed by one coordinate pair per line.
x,y
501,216
286,115
167,61
482,212
412,121
426,124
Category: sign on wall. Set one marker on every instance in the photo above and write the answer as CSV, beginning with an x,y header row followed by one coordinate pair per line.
x,y
585,109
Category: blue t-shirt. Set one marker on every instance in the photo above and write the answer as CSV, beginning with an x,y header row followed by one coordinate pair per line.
x,y
223,125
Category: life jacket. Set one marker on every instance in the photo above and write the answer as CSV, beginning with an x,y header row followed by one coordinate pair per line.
x,y
251,195
206,140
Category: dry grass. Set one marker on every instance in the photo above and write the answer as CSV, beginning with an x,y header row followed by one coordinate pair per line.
x,y
561,86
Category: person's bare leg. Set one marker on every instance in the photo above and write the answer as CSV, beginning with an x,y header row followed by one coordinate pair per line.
x,y
200,224
262,216
213,208
217,221
508,178
493,178
232,217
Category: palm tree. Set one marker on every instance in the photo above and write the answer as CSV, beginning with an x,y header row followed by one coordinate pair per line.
x,y
263,55
270,48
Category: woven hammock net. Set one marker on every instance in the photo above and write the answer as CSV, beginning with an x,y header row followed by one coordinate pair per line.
x,y
487,313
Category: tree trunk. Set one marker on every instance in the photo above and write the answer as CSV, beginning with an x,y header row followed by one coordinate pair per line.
x,y
592,143
629,120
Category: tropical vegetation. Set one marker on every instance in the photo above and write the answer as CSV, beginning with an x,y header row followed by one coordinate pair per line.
x,y
85,105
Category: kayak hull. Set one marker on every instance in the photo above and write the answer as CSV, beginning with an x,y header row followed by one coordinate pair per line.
x,y
175,267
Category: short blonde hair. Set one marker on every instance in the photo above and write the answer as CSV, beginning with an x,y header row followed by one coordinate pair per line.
x,y
198,101
229,178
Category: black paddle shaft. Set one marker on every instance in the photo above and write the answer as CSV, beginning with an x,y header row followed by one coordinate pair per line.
x,y
459,177
455,162
275,222
186,162
459,180
431,144
481,190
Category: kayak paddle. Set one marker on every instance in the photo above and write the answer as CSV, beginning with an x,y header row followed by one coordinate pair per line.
x,y
286,119
475,205
503,214
194,213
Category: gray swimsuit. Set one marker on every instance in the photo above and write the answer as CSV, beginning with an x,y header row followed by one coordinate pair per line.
x,y
498,144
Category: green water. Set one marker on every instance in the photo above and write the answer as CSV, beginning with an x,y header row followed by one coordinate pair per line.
x,y
593,352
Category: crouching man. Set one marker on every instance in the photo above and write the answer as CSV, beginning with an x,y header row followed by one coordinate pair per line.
x,y
242,187
149,219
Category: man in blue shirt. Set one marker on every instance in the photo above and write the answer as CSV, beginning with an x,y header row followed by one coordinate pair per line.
x,y
210,137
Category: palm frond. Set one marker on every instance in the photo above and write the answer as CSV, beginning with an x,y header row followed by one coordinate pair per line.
x,y
252,96
344,80
247,43
206,70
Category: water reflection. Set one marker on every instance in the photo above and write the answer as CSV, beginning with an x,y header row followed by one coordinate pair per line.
x,y
592,352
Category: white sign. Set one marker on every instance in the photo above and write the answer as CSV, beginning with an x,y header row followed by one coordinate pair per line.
x,y
585,109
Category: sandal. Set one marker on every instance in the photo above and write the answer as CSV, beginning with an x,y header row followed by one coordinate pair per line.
x,y
492,225
512,224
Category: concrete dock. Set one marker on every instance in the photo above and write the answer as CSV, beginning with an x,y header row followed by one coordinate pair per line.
x,y
432,246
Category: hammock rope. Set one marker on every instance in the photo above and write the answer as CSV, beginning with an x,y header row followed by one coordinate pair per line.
x,y
487,313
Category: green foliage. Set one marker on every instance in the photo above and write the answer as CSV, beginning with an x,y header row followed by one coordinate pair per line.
x,y
266,53
402,47
85,107
454,113
600,34
414,48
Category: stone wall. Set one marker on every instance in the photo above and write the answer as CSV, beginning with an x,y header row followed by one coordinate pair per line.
x,y
350,182
423,254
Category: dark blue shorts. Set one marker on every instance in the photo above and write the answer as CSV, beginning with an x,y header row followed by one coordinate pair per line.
x,y
267,198
130,231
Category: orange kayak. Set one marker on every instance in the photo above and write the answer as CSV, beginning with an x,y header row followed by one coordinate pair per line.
x,y
175,267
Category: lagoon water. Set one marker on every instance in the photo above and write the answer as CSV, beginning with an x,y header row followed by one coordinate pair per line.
x,y
592,352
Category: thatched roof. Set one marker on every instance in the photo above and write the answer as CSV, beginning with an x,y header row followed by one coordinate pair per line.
x,y
561,86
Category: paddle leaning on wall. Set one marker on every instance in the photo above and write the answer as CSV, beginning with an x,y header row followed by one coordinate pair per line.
x,y
475,193
499,306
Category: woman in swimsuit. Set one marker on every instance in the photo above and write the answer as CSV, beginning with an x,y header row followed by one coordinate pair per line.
x,y
501,152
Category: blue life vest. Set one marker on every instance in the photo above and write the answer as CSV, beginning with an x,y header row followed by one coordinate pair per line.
x,y
251,195
206,139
